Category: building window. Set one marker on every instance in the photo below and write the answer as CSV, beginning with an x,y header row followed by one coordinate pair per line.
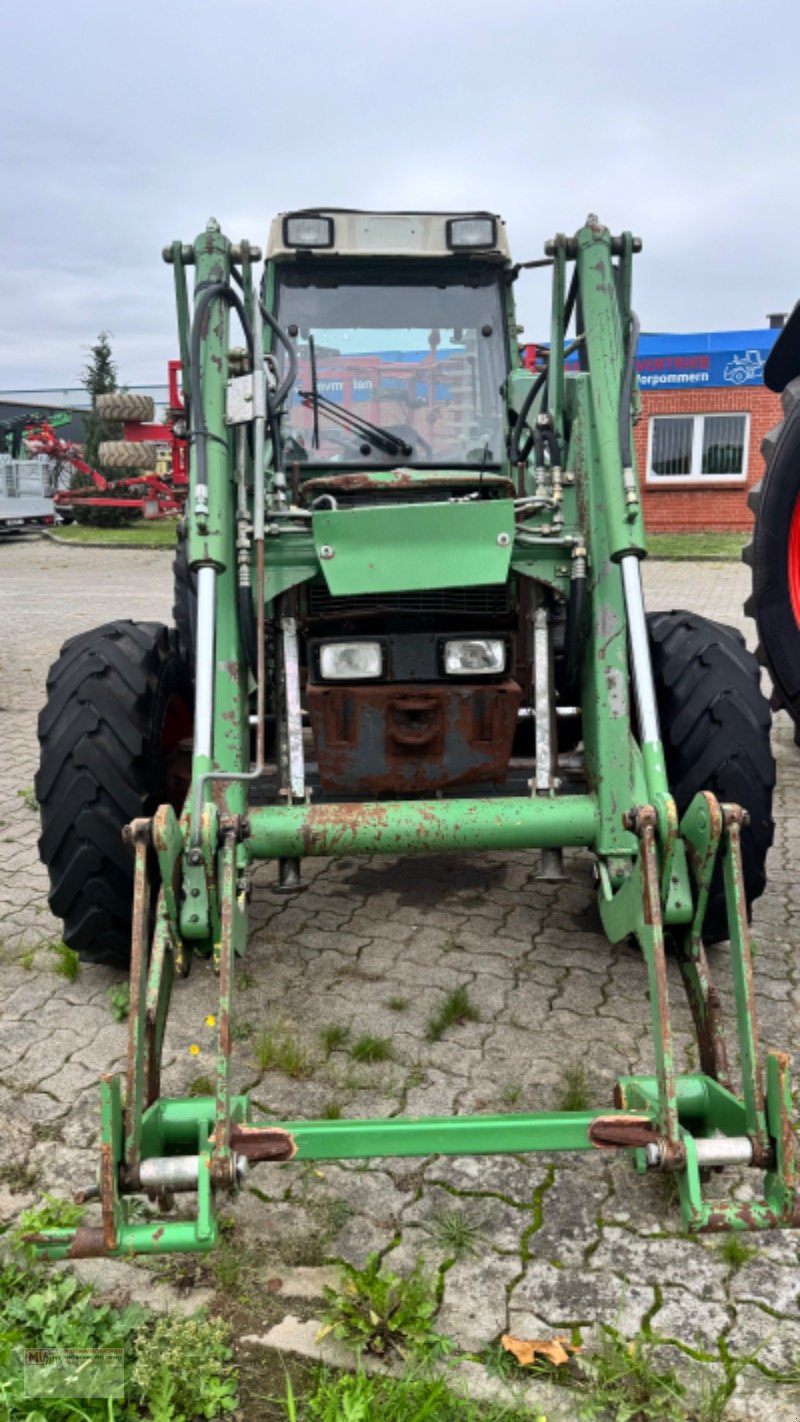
x,y
697,447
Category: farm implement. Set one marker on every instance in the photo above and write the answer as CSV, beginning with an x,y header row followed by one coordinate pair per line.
x,y
146,491
410,620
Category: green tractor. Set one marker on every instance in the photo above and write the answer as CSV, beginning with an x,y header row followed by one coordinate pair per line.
x,y
409,619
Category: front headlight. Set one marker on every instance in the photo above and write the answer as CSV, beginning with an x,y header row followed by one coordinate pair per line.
x,y
350,661
475,656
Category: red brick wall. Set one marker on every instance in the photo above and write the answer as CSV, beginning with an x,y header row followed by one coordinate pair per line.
x,y
683,507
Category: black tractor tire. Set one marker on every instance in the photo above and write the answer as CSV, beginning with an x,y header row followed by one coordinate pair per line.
x,y
184,606
774,557
128,454
119,405
715,727
112,740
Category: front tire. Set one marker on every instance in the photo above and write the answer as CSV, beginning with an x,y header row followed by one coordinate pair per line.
x,y
112,735
715,727
774,556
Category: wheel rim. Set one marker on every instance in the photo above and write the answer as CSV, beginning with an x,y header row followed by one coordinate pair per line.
x,y
793,562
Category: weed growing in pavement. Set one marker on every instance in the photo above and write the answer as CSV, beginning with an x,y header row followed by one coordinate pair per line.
x,y
184,1368
119,1001
620,1379
333,1037
454,1232
54,1311
397,1003
26,959
573,1089
332,1110
244,980
372,1049
377,1311
359,1397
276,1048
511,1095
201,1086
242,1031
67,964
28,798
454,1012
53,1213
734,1252
338,1213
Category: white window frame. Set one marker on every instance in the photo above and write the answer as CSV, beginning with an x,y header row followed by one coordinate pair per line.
x,y
666,481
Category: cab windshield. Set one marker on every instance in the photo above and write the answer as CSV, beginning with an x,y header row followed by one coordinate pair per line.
x,y
405,368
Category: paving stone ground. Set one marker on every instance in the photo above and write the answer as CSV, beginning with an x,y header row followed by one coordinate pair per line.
x,y
374,946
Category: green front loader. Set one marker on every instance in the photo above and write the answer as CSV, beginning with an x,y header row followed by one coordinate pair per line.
x,y
409,619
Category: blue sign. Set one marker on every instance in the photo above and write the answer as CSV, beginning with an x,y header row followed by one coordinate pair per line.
x,y
699,360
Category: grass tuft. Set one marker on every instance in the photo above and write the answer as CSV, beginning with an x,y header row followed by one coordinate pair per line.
x,y
372,1049
454,1012
200,1086
277,1048
67,964
573,1090
119,1001
334,1037
397,1003
453,1231
734,1252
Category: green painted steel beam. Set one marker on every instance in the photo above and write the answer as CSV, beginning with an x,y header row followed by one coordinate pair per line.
x,y
421,826
415,546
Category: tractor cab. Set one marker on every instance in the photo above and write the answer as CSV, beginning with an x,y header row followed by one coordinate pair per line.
x,y
400,327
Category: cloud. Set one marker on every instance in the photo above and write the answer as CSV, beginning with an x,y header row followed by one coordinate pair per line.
x,y
120,131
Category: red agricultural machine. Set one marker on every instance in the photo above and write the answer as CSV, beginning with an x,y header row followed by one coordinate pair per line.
x,y
147,491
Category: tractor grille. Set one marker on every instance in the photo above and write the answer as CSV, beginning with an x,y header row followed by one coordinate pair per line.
x,y
461,602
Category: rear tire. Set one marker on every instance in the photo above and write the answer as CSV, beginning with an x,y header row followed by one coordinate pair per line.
x,y
715,726
774,556
119,703
128,454
119,405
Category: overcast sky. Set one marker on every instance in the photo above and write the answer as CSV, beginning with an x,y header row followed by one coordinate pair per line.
x,y
125,125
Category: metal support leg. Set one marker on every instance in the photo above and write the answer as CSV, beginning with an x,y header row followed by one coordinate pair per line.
x,y
551,863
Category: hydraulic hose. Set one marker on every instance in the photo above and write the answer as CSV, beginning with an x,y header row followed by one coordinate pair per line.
x,y
515,454
573,634
200,432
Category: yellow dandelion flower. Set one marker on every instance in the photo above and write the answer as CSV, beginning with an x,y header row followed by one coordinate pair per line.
x,y
194,1050
211,1020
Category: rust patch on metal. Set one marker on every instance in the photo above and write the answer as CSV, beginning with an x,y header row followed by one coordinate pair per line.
x,y
258,1143
225,1032
406,479
89,1243
107,1196
393,737
326,826
622,1132
157,1234
788,1142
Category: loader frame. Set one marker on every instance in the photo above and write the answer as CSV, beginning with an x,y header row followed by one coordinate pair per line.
x,y
654,871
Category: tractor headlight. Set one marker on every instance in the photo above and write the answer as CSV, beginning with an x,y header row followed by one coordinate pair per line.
x,y
308,230
350,661
471,232
475,656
